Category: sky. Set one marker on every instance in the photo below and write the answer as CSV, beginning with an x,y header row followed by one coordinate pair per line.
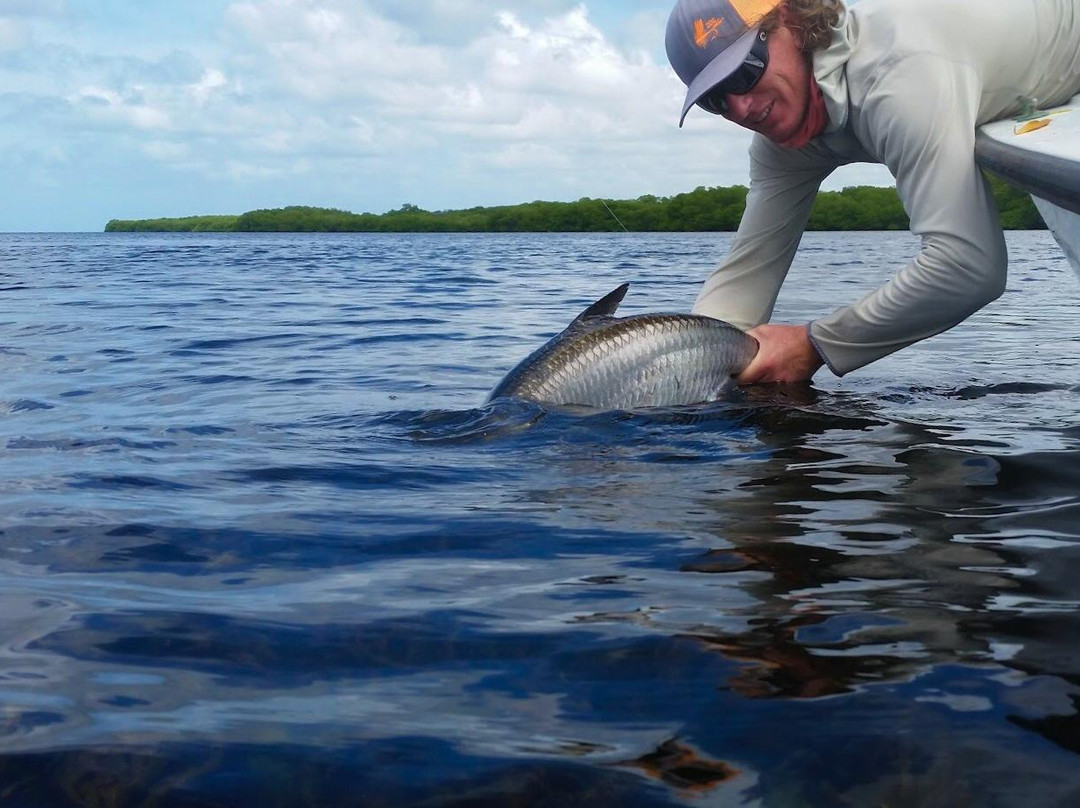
x,y
143,108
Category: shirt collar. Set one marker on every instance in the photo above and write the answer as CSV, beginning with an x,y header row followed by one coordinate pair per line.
x,y
830,70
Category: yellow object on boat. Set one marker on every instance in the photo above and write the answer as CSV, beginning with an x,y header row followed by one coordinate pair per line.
x,y
1032,126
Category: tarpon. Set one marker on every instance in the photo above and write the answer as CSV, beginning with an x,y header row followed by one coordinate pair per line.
x,y
620,363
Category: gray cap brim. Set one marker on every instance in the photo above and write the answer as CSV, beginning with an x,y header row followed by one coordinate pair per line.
x,y
725,63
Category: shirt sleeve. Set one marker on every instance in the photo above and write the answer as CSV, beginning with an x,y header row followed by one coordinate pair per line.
x,y
920,117
783,184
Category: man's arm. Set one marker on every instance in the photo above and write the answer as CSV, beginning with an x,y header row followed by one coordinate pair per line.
x,y
783,184
920,118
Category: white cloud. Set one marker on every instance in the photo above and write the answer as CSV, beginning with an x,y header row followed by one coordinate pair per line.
x,y
13,35
166,151
567,73
328,77
368,103
529,156
16,17
559,79
317,78
511,25
455,22
329,50
108,105
211,81
31,8
566,54
551,103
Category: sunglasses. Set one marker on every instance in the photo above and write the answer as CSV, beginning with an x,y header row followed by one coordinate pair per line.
x,y
741,81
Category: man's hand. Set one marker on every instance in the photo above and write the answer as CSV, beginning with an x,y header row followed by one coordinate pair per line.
x,y
785,355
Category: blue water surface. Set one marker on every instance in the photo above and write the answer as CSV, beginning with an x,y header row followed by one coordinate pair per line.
x,y
263,543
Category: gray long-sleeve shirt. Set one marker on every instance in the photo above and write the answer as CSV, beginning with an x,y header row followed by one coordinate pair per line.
x,y
906,83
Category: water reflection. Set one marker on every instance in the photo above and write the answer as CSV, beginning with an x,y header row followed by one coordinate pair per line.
x,y
874,549
681,767
675,571
248,569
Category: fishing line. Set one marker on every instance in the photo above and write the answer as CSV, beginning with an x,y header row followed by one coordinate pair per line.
x,y
609,210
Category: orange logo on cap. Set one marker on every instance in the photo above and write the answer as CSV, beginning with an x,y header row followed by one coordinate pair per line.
x,y
705,31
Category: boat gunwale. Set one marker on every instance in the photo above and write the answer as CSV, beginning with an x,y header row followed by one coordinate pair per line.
x,y
1050,177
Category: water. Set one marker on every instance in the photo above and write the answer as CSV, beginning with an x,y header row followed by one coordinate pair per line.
x,y
263,545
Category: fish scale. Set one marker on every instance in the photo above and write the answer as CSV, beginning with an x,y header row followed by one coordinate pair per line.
x,y
645,360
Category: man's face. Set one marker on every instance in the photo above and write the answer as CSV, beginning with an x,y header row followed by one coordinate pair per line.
x,y
777,104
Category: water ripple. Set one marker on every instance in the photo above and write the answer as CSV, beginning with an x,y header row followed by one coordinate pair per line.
x,y
264,540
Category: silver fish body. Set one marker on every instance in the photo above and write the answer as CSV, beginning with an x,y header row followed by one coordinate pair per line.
x,y
646,360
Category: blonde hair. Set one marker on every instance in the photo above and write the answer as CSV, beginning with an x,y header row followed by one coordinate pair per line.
x,y
813,20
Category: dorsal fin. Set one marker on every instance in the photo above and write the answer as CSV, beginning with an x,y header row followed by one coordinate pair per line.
x,y
605,306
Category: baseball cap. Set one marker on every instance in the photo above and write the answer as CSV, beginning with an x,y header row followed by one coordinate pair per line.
x,y
707,41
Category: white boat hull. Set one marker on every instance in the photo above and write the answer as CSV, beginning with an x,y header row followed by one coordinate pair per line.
x,y
1065,225
1042,158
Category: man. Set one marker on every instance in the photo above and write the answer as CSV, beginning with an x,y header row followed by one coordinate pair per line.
x,y
899,82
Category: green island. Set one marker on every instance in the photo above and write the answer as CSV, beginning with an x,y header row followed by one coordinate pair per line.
x,y
703,209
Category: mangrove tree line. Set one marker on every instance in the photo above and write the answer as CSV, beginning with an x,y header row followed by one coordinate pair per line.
x,y
703,209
